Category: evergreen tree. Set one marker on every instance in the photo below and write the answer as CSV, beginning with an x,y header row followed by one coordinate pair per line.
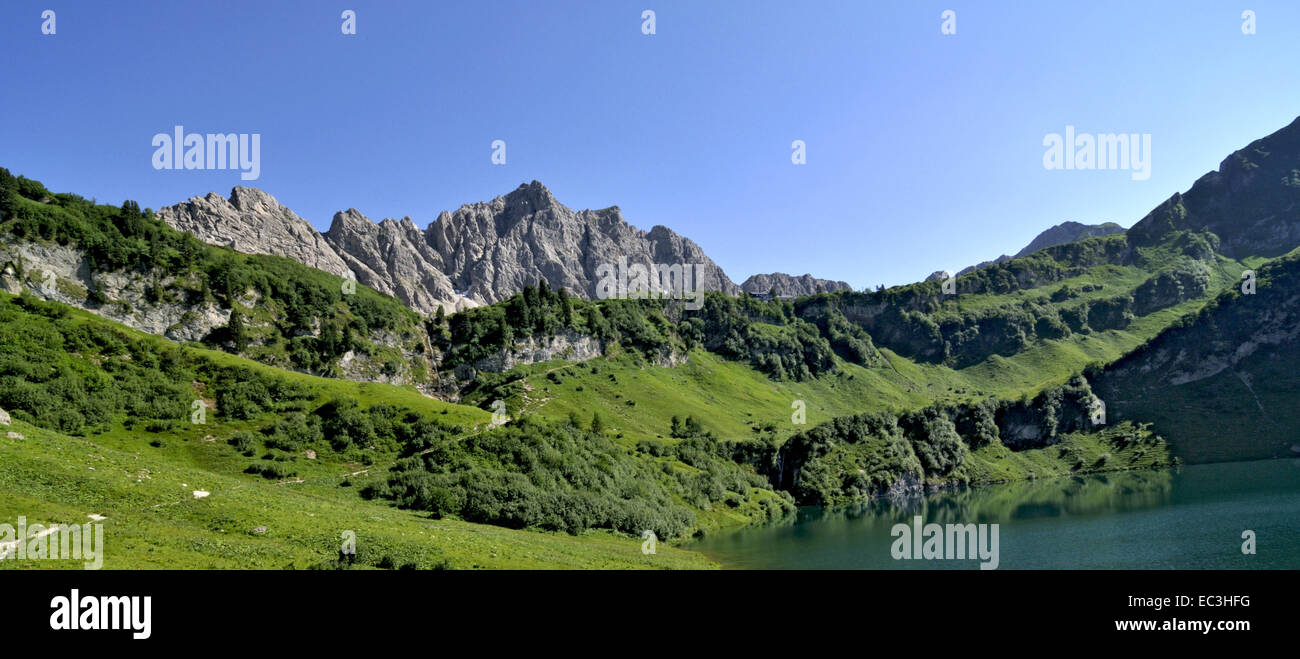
x,y
566,308
238,333
8,194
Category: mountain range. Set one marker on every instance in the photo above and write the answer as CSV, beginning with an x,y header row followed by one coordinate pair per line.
x,y
478,254
485,252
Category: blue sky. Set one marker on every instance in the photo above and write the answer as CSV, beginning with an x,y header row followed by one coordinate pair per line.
x,y
924,151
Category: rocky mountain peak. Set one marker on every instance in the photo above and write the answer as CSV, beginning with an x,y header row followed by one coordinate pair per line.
x,y
491,250
253,222
350,220
1252,203
480,253
392,257
252,200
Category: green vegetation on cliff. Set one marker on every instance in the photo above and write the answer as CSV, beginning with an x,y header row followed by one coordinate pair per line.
x,y
280,312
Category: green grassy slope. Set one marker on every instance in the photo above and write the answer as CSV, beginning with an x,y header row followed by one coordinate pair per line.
x,y
1221,384
141,476
155,522
733,399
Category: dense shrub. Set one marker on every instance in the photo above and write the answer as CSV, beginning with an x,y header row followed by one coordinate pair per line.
x,y
540,475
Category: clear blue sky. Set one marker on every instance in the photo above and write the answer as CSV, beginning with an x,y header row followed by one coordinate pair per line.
x,y
924,150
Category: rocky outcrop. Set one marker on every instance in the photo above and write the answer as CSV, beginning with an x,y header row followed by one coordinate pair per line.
x,y
490,250
568,346
62,274
253,222
790,285
392,257
479,254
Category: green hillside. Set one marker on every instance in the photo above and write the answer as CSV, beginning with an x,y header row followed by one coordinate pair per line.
x,y
106,415
140,460
1221,383
273,310
153,520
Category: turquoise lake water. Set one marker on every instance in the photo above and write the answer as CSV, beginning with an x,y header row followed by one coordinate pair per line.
x,y
1190,517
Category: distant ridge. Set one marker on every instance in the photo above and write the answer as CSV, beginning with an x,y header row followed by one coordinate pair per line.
x,y
1065,232
790,285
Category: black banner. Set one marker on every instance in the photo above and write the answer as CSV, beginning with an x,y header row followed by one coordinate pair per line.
x,y
266,609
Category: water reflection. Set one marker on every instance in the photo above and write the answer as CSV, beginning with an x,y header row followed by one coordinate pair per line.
x,y
1192,517
1094,494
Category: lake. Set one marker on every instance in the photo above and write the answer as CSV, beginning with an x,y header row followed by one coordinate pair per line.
x,y
1190,517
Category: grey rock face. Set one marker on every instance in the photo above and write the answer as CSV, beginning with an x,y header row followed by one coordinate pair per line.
x,y
568,346
62,274
479,254
790,285
392,257
253,222
492,250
